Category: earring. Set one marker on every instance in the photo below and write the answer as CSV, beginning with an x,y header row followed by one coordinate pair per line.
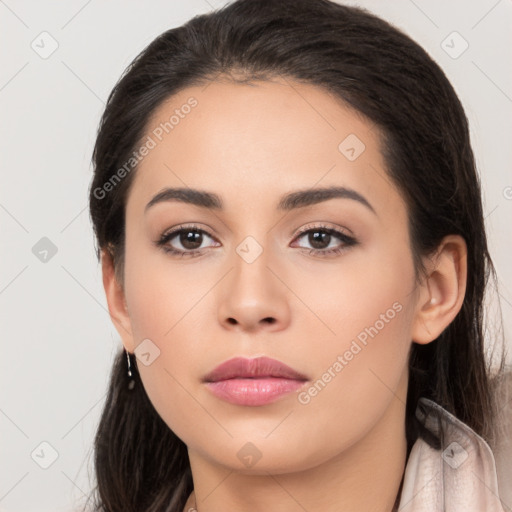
x,y
131,381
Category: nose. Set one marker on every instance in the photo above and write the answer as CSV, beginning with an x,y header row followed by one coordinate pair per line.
x,y
253,295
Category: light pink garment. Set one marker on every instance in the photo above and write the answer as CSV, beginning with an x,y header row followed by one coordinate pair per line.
x,y
460,477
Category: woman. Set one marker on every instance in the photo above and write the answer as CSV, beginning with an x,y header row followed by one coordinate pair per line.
x,y
291,234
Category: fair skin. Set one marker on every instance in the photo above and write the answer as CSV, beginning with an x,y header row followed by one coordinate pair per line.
x,y
250,144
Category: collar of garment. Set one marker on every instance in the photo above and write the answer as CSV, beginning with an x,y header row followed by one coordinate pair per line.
x,y
460,476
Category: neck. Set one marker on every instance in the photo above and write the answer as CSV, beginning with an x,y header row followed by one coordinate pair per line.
x,y
367,476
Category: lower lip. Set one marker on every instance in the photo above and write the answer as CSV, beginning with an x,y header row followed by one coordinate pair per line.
x,y
253,391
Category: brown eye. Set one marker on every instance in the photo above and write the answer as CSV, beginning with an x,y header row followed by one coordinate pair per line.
x,y
184,241
326,241
318,239
190,239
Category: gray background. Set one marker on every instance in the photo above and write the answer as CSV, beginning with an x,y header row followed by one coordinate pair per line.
x,y
57,338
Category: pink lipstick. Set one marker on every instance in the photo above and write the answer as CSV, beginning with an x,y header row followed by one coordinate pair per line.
x,y
253,382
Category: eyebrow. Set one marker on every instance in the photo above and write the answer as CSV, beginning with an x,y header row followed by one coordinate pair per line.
x,y
290,201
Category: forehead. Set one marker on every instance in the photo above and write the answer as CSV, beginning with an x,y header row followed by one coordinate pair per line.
x,y
264,138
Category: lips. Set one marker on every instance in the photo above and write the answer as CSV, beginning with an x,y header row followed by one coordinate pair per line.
x,y
243,368
253,382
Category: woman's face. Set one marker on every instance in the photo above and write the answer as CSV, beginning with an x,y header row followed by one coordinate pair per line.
x,y
268,274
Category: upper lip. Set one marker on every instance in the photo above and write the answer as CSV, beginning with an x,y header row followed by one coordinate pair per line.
x,y
242,367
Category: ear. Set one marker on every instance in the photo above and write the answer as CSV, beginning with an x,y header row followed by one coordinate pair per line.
x,y
116,301
442,292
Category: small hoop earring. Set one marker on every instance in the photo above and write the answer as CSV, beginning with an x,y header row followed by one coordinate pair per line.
x,y
131,381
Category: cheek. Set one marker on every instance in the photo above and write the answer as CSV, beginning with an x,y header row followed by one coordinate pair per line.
x,y
161,296
365,297
165,308
162,326
360,368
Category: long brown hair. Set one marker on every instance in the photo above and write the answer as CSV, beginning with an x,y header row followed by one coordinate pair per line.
x,y
140,464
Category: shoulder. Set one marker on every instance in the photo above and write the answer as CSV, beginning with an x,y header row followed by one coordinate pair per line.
x,y
459,476
502,444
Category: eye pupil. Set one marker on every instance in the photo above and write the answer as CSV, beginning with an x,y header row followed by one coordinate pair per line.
x,y
191,237
319,237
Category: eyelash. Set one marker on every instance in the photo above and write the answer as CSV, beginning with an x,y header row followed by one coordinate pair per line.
x,y
348,241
